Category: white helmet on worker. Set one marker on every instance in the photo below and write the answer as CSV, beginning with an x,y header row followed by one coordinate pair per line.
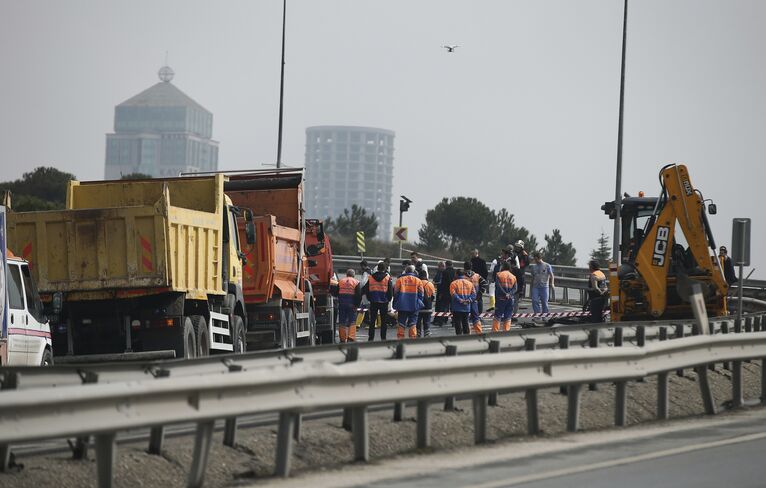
x,y
519,243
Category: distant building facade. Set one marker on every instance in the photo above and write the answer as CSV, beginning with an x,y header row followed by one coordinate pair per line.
x,y
161,132
348,165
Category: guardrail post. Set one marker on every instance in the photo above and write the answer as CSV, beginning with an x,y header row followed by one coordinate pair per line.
x,y
105,455
230,423
725,330
737,326
757,323
298,427
763,380
748,324
424,425
563,344
157,434
621,390
10,382
361,434
662,386
573,408
480,418
618,337
352,354
593,343
533,414
399,406
680,335
80,445
494,347
284,444
707,394
736,384
449,402
640,342
203,438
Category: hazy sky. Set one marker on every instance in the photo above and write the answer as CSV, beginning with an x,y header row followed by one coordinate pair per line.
x,y
523,115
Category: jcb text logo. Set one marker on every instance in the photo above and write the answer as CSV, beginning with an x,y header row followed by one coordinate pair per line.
x,y
661,246
688,187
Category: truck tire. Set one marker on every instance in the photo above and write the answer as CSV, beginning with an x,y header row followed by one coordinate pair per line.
x,y
202,335
187,341
239,341
47,358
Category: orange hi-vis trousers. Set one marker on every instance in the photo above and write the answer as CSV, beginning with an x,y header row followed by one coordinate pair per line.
x,y
477,327
496,325
347,333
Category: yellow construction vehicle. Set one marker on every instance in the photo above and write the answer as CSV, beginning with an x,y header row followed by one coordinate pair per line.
x,y
654,278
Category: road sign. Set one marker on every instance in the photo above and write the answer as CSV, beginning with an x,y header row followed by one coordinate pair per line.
x,y
740,242
360,244
400,234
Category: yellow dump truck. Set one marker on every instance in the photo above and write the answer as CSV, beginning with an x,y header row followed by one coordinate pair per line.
x,y
131,268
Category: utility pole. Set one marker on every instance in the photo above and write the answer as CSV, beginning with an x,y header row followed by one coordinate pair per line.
x,y
281,86
618,183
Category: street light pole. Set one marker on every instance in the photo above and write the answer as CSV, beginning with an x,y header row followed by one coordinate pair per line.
x,y
281,85
618,183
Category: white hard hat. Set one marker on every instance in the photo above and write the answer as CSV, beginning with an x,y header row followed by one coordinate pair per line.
x,y
520,244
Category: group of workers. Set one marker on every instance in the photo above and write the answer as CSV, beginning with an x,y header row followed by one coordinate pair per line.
x,y
411,297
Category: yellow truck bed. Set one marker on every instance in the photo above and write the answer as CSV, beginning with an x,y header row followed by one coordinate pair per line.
x,y
119,238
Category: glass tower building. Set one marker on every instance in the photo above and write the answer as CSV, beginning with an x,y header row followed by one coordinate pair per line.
x,y
348,165
161,132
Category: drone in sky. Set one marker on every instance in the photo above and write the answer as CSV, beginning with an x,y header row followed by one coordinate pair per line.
x,y
450,48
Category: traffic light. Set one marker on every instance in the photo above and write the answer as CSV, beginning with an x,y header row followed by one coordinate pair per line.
x,y
404,204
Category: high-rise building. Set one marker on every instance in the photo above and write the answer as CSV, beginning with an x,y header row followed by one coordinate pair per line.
x,y
348,165
161,132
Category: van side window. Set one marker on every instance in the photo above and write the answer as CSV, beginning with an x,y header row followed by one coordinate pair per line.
x,y
15,298
34,304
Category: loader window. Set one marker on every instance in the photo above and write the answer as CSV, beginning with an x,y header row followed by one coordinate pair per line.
x,y
15,297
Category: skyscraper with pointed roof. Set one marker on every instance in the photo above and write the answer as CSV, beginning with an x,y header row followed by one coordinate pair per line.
x,y
161,132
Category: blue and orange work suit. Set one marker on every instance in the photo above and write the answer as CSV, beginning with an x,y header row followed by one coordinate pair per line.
x,y
408,300
379,292
349,295
424,316
505,296
478,283
463,295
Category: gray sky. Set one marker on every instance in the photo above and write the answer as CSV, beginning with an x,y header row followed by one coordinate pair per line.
x,y
523,115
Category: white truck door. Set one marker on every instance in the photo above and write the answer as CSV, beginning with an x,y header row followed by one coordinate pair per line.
x,y
37,331
17,334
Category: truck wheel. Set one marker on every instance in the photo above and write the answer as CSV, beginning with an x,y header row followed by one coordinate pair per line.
x,y
202,334
47,358
239,340
187,347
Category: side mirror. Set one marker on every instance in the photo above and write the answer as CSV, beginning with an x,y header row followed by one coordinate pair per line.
x,y
320,233
249,227
712,209
312,250
57,303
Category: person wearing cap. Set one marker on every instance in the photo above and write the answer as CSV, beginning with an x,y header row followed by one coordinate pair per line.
x,y
408,300
349,297
542,281
727,265
597,291
463,295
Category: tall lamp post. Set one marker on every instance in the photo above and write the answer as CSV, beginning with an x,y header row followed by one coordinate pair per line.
x,y
281,85
404,205
618,182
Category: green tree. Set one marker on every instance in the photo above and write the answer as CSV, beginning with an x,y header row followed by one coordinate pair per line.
x,y
556,251
431,238
135,176
43,188
603,252
461,223
352,222
505,232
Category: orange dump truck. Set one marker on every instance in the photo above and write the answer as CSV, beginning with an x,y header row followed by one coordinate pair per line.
x,y
277,292
320,275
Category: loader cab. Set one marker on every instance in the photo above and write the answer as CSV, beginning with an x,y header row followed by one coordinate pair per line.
x,y
635,212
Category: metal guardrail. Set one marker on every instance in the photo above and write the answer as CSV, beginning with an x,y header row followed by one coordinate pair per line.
x,y
297,387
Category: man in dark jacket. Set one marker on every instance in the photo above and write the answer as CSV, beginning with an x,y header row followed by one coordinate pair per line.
x,y
479,265
728,266
379,291
443,297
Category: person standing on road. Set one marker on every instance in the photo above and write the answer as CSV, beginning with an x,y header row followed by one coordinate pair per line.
x,y
597,292
424,315
727,265
443,298
542,282
379,291
417,261
408,300
349,297
463,295
505,295
523,258
479,265
479,287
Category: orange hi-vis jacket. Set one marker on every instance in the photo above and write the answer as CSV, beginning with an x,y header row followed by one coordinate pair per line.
x,y
348,291
408,293
377,290
505,285
428,294
462,290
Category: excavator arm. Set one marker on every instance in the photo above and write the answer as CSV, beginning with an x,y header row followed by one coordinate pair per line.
x,y
683,205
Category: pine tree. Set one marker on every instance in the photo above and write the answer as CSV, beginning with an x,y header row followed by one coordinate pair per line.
x,y
603,252
556,251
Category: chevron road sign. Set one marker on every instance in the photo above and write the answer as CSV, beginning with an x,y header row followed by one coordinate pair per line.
x,y
400,233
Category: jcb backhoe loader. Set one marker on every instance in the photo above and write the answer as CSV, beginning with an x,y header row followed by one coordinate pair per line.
x,y
653,280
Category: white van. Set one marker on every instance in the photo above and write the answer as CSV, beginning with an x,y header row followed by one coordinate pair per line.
x,y
28,332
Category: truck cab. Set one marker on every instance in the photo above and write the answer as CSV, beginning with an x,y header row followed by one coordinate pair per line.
x,y
27,332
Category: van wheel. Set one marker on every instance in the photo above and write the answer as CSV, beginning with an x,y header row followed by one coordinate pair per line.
x,y
239,341
187,342
202,335
47,358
